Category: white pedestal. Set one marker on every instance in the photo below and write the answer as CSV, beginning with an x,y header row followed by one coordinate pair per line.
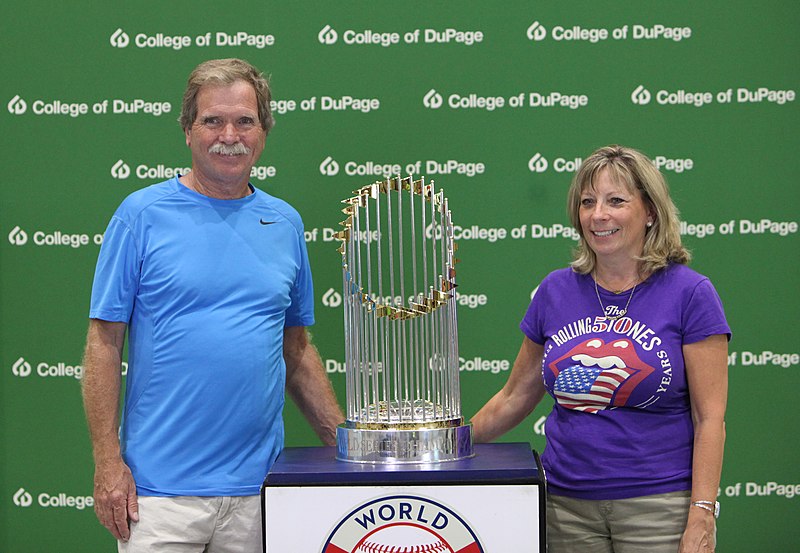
x,y
493,502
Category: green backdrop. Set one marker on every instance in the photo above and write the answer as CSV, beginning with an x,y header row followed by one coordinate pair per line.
x,y
495,101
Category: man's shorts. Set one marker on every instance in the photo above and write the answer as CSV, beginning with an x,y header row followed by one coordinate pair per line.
x,y
196,524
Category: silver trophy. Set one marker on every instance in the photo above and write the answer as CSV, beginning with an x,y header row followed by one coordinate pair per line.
x,y
401,340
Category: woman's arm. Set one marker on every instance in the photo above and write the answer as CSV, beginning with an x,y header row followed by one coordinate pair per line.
x,y
521,394
707,376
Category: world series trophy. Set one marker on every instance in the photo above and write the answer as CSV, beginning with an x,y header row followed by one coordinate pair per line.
x,y
401,340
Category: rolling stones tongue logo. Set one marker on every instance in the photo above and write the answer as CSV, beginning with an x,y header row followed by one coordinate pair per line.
x,y
594,375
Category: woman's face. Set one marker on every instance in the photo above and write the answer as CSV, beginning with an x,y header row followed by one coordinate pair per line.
x,y
613,219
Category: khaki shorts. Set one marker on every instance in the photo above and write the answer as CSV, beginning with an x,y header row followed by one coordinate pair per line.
x,y
196,525
649,524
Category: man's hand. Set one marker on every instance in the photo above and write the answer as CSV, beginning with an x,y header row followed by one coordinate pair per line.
x,y
115,500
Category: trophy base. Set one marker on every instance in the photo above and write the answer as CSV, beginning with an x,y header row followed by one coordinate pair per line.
x,y
403,445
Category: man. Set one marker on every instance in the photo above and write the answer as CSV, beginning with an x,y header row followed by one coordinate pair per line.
x,y
209,276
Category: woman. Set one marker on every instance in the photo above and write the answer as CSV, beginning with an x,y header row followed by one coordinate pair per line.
x,y
632,345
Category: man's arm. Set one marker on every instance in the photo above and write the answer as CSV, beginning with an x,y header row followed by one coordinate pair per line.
x,y
309,386
114,488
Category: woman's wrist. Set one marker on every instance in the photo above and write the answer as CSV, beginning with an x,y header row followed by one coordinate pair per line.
x,y
711,507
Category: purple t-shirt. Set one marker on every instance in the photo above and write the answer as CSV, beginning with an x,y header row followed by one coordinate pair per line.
x,y
621,425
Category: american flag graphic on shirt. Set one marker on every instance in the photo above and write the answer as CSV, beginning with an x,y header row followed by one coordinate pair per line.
x,y
588,389
596,375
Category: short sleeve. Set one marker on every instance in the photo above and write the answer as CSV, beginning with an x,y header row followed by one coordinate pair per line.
x,y
704,315
116,277
301,310
532,324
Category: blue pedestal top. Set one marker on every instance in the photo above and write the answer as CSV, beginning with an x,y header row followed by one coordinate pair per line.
x,y
502,463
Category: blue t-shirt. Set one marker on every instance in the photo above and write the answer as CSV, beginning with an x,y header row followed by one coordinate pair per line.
x,y
207,287
621,425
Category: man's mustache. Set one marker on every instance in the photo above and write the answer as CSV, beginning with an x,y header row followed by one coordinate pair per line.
x,y
237,149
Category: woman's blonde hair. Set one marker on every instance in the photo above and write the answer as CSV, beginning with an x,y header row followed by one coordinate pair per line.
x,y
662,244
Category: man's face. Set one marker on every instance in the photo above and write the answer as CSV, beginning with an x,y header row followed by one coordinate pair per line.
x,y
226,138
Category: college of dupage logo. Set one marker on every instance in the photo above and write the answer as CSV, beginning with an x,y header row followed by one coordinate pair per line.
x,y
402,524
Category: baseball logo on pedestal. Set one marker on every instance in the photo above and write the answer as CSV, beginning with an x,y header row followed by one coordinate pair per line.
x,y
402,524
